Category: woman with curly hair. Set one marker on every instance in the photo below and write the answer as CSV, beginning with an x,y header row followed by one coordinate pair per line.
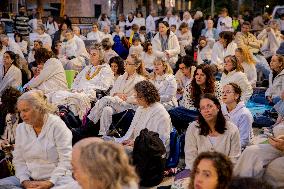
x,y
211,133
211,170
117,66
203,82
150,114
245,59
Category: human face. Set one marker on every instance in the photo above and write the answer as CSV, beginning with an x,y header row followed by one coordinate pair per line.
x,y
239,56
186,15
36,45
206,176
228,95
184,30
150,49
140,100
139,15
209,24
105,29
159,68
39,31
95,28
95,56
7,60
169,14
208,109
5,41
163,29
64,27
17,38
78,173
114,67
202,43
28,114
228,65
173,29
275,64
22,10
200,77
245,28
184,70
50,19
117,29
68,35
222,41
76,31
129,66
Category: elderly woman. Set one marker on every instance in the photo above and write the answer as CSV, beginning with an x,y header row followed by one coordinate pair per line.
x,y
10,74
276,79
165,82
233,73
102,165
203,82
235,111
165,44
211,133
52,76
43,37
43,146
121,95
150,114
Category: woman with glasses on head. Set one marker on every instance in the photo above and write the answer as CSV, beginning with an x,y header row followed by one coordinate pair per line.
x,y
211,133
233,73
121,95
235,111
165,82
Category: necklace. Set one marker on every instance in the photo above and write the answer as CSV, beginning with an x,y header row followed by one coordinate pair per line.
x,y
88,77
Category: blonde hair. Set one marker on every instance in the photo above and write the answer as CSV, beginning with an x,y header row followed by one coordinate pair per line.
x,y
38,101
246,54
108,164
280,60
137,60
166,65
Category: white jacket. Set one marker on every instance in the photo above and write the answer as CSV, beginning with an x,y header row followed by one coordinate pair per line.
x,y
276,86
173,47
240,79
219,52
242,118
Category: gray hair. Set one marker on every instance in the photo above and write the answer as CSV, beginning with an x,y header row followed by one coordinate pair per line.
x,y
3,36
38,101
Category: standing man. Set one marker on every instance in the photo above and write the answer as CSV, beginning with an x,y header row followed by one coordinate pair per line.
x,y
21,22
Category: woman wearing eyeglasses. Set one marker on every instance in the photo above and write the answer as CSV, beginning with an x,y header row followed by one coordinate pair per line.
x,y
121,95
96,34
211,133
234,110
233,73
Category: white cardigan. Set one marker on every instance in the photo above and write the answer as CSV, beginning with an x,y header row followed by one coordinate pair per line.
x,y
240,79
173,47
13,78
227,143
51,78
155,118
276,86
46,156
219,52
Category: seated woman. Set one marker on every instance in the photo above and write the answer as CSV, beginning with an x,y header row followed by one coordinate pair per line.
x,y
264,161
10,74
222,48
211,133
107,48
276,79
165,82
43,147
234,110
217,167
121,95
148,57
117,66
9,117
184,37
204,51
44,37
233,73
150,114
73,52
52,76
203,82
245,59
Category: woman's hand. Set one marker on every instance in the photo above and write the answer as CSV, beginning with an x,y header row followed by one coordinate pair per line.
x,y
278,142
122,96
128,143
37,184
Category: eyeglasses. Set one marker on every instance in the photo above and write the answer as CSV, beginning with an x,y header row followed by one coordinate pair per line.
x,y
129,64
227,92
207,107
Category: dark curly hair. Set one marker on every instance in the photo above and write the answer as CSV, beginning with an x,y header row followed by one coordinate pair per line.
x,y
196,91
9,100
120,63
146,45
42,55
146,90
222,164
220,125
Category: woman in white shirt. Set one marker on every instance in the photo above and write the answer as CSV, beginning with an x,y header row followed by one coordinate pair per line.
x,y
184,37
96,34
116,64
148,57
44,37
22,43
10,74
121,95
247,61
233,73
211,133
165,83
139,19
150,114
204,51
222,48
42,155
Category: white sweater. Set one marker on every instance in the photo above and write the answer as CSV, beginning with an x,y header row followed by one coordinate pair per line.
x,y
227,143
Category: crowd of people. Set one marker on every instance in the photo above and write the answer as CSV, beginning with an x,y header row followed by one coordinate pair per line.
x,y
193,74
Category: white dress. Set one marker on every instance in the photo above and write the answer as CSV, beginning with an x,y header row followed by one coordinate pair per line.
x,y
108,105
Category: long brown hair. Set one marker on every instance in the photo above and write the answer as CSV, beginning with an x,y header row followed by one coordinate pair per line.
x,y
196,91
